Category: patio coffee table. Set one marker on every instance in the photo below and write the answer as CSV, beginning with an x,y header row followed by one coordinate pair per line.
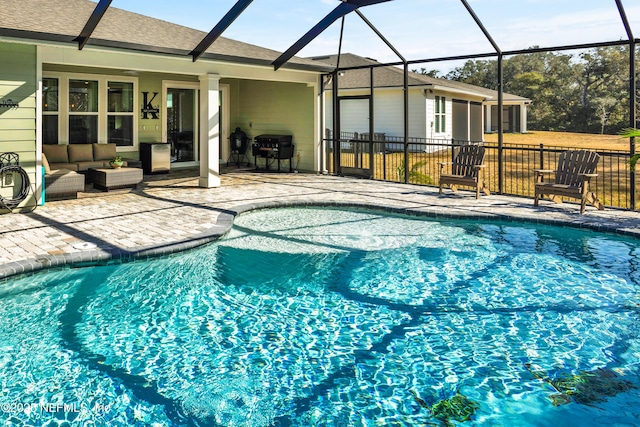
x,y
108,179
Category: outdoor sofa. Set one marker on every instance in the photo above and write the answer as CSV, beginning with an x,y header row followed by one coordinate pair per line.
x,y
60,183
63,162
79,157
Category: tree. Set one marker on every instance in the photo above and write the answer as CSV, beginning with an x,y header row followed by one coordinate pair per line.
x,y
483,73
585,92
602,75
431,73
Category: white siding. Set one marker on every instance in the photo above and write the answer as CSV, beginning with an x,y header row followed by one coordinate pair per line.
x,y
388,113
354,115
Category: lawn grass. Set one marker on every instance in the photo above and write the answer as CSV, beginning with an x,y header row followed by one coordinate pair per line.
x,y
564,139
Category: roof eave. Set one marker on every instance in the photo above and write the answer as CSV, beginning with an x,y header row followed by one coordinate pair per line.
x,y
34,35
443,88
61,38
523,101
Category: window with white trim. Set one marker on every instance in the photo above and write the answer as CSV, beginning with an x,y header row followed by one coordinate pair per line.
x,y
50,116
81,109
440,114
120,113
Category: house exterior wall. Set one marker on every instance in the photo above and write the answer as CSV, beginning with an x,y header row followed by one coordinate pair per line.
x,y
430,128
261,107
388,110
18,129
258,96
149,129
389,113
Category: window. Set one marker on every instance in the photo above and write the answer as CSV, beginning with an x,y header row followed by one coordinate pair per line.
x,y
440,114
50,111
120,113
83,111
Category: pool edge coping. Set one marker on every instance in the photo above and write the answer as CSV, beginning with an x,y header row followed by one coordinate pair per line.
x,y
225,220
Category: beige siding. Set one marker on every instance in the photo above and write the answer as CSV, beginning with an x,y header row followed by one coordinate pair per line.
x,y
277,108
150,130
18,83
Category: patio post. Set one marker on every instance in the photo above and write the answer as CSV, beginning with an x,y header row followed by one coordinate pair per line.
x,y
632,99
209,131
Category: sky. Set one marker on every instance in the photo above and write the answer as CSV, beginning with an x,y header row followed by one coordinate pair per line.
x,y
417,29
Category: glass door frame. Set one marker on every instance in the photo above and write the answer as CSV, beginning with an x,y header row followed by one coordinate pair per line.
x,y
225,123
360,149
166,86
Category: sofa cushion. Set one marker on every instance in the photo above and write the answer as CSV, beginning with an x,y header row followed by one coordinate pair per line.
x,y
56,153
104,151
70,166
45,163
85,166
80,153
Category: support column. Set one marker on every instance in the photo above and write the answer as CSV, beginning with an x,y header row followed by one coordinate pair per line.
x,y
523,118
487,118
209,131
39,199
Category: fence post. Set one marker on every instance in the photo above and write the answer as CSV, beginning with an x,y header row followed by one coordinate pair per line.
x,y
384,161
453,149
541,156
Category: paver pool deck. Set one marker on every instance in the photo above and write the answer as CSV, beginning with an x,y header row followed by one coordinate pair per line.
x,y
171,213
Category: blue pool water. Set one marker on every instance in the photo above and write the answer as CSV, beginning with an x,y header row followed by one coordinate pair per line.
x,y
327,317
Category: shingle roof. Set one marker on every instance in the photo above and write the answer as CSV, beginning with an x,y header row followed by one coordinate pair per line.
x,y
63,20
390,76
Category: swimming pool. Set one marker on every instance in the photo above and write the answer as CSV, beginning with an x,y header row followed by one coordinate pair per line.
x,y
334,317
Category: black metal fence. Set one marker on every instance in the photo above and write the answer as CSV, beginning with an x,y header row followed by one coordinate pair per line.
x,y
385,160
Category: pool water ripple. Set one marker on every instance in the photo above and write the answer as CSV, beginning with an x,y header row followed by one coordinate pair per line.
x,y
323,317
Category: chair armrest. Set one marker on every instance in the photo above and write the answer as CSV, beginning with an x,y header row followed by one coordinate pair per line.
x,y
479,166
540,172
587,176
443,164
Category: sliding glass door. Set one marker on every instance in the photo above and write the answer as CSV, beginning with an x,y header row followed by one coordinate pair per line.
x,y
181,124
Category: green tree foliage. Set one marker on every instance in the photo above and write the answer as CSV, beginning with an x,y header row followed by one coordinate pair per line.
x,y
430,73
483,73
584,92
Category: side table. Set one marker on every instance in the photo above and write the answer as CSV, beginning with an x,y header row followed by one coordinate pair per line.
x,y
109,179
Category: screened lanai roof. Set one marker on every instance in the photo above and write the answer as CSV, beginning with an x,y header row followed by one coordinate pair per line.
x,y
65,21
417,29
393,77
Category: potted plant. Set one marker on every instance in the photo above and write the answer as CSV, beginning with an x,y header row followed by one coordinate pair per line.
x,y
116,162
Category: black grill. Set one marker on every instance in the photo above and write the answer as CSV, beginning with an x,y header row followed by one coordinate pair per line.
x,y
238,144
271,148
